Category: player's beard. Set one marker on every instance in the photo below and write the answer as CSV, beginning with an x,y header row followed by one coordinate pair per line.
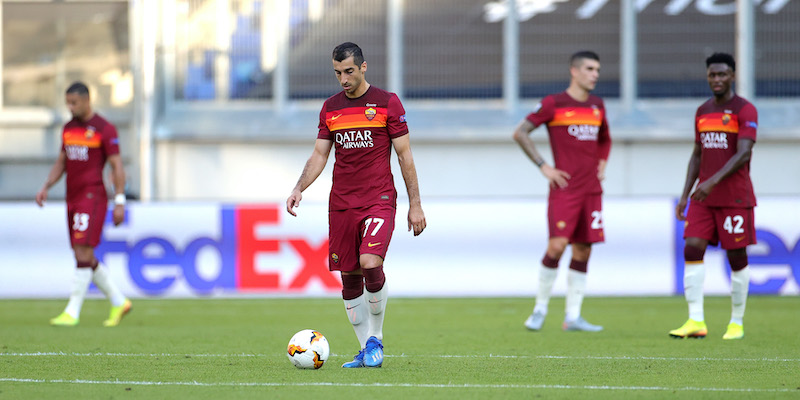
x,y
353,87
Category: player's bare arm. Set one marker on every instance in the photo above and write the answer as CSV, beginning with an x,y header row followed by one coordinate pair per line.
x,y
55,174
118,178
601,169
555,177
744,150
692,172
314,166
416,217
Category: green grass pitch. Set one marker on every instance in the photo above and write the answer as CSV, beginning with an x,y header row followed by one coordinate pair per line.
x,y
465,348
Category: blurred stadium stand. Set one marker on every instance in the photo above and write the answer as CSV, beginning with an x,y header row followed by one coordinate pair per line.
x,y
215,122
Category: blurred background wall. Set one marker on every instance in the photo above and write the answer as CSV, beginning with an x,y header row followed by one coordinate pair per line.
x,y
219,99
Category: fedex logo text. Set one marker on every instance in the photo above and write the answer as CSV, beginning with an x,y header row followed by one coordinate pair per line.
x,y
156,263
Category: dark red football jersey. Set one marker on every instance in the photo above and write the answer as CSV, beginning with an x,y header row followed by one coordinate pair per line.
x,y
87,146
362,130
579,137
718,129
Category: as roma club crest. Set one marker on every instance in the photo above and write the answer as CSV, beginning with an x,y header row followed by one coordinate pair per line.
x,y
335,258
370,113
89,133
725,119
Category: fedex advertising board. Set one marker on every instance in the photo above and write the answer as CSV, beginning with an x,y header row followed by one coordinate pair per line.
x,y
470,248
170,249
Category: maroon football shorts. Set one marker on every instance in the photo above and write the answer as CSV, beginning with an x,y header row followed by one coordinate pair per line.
x,y
86,215
578,217
352,232
732,228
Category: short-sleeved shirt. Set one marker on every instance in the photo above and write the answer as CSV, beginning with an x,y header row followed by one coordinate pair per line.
x,y
87,145
579,138
718,129
362,130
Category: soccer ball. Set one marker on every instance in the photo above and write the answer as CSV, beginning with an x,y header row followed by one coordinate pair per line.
x,y
308,349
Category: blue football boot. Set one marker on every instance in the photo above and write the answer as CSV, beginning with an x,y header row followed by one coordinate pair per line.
x,y
373,353
358,361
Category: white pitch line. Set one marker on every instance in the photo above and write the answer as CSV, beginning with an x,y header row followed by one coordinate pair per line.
x,y
99,354
611,358
400,385
631,358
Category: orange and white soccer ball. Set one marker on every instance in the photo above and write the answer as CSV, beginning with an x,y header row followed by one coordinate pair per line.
x,y
308,349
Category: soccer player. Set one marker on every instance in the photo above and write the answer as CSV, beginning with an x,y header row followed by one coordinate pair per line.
x,y
721,210
364,123
580,141
88,142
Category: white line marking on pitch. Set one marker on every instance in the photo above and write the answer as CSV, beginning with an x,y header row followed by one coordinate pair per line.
x,y
611,358
98,354
399,385
633,358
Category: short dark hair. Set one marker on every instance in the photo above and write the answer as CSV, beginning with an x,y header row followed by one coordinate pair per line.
x,y
721,58
347,49
79,88
582,55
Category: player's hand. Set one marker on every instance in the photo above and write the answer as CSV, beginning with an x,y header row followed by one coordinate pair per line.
x,y
41,197
702,191
293,201
601,170
556,177
679,210
119,214
416,220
